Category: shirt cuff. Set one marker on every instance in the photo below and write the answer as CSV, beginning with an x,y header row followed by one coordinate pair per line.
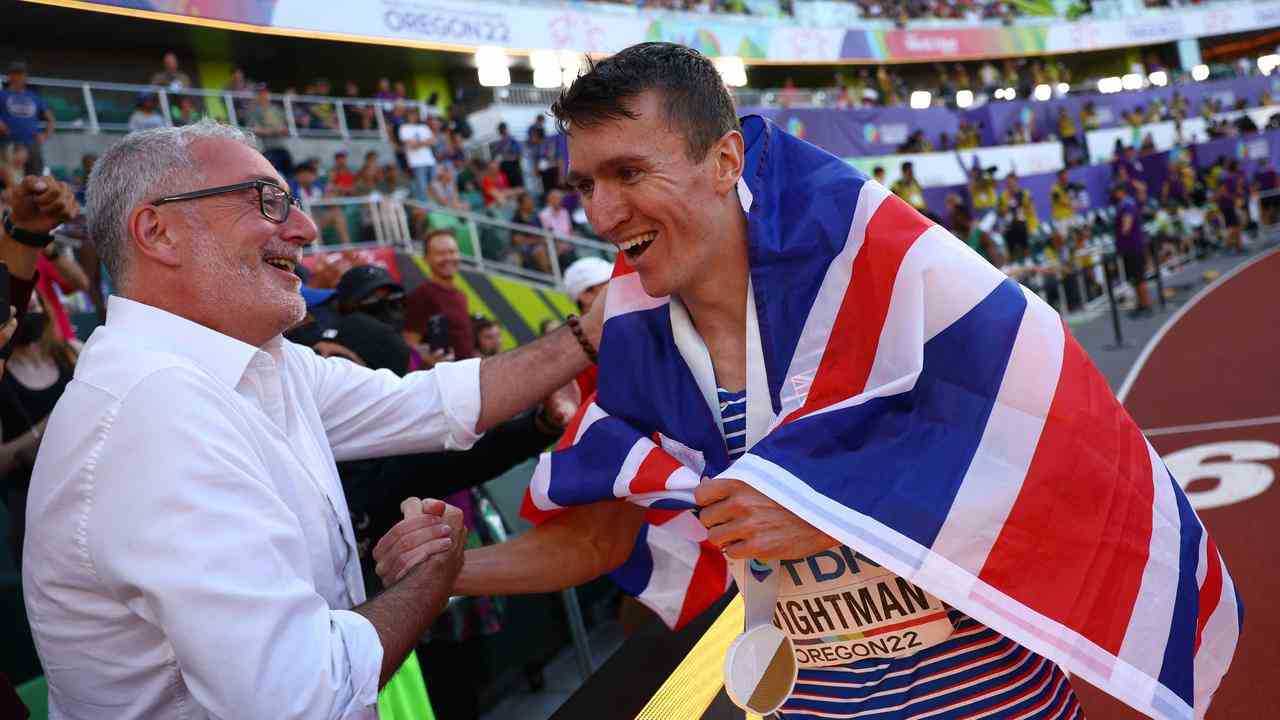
x,y
459,384
364,655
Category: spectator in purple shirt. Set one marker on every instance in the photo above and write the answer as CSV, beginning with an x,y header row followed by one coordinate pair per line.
x,y
1131,245
1226,197
1266,182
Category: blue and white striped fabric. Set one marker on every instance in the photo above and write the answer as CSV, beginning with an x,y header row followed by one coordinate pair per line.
x,y
733,418
976,673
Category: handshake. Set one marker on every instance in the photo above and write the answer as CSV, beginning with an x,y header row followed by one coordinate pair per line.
x,y
432,534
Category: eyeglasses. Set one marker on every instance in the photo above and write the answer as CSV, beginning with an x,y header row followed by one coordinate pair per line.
x,y
274,201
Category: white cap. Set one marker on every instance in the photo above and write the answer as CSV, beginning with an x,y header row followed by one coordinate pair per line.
x,y
586,273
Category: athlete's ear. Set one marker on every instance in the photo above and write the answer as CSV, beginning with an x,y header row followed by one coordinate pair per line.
x,y
728,155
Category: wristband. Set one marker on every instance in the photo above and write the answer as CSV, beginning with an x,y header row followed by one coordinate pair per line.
x,y
26,237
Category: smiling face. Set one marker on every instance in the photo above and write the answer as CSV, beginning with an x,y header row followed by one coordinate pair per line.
x,y
642,193
237,263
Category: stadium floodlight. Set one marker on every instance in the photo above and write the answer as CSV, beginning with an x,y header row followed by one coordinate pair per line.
x,y
546,76
493,66
1268,63
546,68
732,70
1108,85
1132,81
1159,78
494,75
964,98
1042,92
998,94
1063,89
544,58
1010,94
921,99
1200,73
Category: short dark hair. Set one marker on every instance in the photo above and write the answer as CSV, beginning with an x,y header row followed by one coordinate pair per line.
x,y
696,99
480,324
432,234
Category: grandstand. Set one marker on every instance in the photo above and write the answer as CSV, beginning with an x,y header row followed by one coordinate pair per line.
x,y
1177,103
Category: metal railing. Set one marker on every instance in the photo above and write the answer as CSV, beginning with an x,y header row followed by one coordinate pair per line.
x,y
96,107
488,243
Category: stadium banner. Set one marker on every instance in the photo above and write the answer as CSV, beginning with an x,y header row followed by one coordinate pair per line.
x,y
606,28
941,169
996,119
861,131
1167,135
1251,151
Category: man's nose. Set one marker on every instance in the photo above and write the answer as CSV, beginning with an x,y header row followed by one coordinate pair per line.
x,y
606,210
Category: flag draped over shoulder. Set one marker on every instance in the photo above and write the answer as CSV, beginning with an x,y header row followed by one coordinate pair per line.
x,y
917,405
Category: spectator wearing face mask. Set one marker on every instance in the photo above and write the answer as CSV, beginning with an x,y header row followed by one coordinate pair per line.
x,y
370,290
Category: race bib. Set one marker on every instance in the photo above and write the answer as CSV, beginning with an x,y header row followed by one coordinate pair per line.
x,y
837,607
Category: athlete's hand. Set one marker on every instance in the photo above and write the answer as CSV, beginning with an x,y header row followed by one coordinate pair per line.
x,y
745,523
429,528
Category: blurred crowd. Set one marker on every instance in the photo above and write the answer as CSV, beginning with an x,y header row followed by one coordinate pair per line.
x,y
1192,213
897,10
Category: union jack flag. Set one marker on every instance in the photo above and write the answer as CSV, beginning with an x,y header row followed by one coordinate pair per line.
x,y
911,401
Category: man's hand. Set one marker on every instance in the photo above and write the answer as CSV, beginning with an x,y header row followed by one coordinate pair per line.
x,y
436,529
431,356
593,321
745,523
559,407
40,204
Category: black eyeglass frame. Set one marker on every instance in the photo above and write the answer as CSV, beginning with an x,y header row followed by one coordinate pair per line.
x,y
291,200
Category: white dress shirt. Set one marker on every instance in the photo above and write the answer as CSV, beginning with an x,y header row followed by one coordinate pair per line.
x,y
189,552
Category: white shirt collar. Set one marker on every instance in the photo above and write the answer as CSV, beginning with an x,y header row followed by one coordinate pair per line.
x,y
222,356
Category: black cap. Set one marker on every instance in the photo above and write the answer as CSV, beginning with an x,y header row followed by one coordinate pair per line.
x,y
359,282
376,342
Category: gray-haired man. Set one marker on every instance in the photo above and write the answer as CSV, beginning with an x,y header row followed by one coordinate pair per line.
x,y
190,553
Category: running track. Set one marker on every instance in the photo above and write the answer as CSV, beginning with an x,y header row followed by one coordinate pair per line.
x,y
1206,390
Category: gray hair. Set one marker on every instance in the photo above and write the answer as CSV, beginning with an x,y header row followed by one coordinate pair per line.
x,y
141,167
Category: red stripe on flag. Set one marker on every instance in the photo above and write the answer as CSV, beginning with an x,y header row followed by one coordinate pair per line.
x,y
535,514
1082,569
891,232
653,472
658,516
1211,591
707,584
621,266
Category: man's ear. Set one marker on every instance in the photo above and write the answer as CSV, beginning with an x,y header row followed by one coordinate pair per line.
x,y
729,156
151,234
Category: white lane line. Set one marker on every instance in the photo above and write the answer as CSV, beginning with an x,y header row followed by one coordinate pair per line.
x,y
1177,315
1220,425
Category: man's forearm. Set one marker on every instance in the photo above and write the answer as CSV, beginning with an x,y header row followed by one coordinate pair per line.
x,y
569,550
514,381
406,610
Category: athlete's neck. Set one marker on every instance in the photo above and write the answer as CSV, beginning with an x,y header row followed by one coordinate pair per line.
x,y
717,305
